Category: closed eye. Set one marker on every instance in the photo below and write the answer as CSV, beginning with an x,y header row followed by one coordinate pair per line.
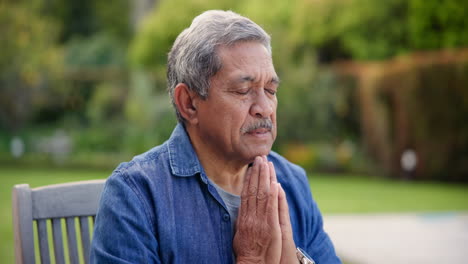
x,y
272,92
242,92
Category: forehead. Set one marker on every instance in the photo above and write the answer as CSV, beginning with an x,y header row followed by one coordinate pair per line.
x,y
246,59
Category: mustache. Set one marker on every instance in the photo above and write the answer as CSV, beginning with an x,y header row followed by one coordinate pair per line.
x,y
262,123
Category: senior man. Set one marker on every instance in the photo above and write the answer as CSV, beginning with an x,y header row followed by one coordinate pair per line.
x,y
214,192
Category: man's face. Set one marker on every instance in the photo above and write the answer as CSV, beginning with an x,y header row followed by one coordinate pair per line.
x,y
238,119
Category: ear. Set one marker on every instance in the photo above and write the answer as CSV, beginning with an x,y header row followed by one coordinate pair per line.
x,y
185,99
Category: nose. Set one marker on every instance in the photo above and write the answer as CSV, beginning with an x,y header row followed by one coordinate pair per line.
x,y
262,106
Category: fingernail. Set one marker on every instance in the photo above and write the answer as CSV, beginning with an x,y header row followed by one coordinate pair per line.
x,y
258,161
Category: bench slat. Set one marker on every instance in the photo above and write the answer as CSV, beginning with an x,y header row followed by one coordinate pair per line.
x,y
72,246
85,239
43,241
58,241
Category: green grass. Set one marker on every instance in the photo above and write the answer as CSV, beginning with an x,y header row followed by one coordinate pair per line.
x,y
353,194
334,194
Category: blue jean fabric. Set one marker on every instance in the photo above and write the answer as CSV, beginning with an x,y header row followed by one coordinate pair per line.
x,y
161,208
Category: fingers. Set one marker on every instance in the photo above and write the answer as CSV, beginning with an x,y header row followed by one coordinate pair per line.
x,y
272,208
252,187
273,213
249,189
288,247
243,210
285,221
256,189
263,188
272,172
258,232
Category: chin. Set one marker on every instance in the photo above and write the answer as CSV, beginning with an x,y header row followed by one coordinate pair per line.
x,y
258,152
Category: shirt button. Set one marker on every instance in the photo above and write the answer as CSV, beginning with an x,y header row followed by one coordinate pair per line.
x,y
226,217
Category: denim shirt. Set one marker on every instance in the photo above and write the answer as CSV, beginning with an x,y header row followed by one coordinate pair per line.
x,y
161,208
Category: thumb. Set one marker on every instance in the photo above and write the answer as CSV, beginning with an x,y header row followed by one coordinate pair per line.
x,y
283,211
288,250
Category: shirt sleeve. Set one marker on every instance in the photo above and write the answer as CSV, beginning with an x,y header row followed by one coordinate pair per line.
x,y
317,242
123,232
320,246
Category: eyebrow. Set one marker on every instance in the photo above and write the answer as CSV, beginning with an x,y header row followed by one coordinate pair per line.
x,y
274,79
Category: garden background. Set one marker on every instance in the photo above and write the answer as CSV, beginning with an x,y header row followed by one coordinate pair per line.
x,y
373,100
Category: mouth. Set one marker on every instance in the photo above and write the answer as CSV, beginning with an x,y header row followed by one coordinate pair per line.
x,y
259,131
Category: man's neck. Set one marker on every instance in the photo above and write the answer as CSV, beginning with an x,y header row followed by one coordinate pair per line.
x,y
226,173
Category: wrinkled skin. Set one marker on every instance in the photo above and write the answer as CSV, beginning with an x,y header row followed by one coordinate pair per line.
x,y
264,233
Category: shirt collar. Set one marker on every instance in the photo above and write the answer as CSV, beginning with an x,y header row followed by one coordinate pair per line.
x,y
182,157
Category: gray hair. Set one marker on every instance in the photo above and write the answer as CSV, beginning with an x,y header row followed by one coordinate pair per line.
x,y
193,59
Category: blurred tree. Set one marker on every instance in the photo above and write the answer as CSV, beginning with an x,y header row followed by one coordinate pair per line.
x,y
97,52
437,24
30,64
56,57
86,17
373,30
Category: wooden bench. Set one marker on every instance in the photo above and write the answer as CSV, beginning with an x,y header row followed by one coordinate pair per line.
x,y
47,206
